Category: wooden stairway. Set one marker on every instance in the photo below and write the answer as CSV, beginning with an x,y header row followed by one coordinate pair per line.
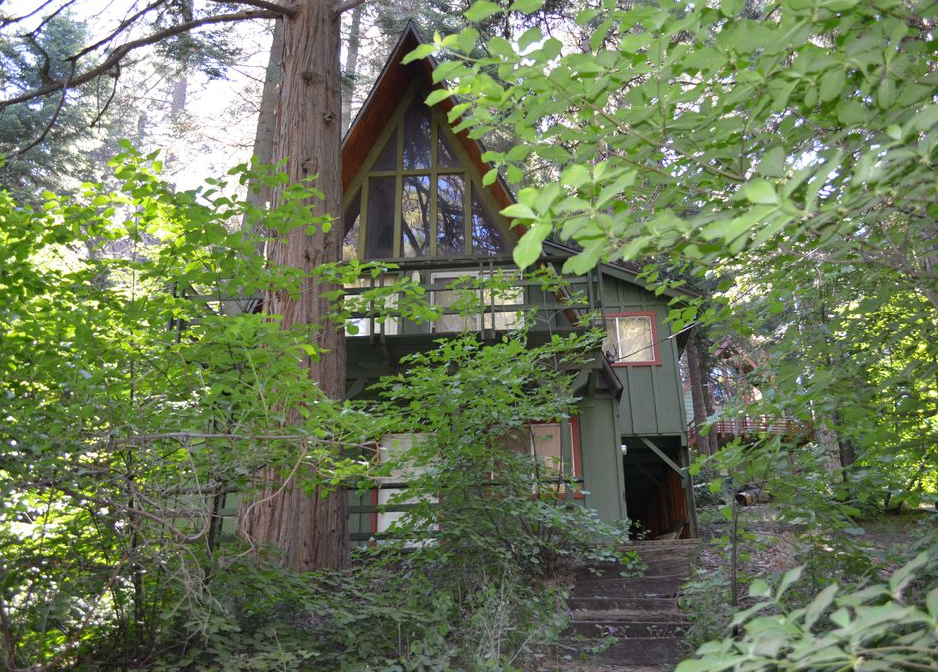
x,y
629,623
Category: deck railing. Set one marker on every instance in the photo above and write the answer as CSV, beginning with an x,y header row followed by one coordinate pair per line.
x,y
498,310
750,425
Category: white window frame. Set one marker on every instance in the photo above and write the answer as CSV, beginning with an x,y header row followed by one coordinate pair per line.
x,y
515,319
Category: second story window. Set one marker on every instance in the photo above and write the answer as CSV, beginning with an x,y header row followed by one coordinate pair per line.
x,y
421,196
631,338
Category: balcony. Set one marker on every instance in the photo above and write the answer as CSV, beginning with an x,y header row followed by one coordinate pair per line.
x,y
457,287
726,429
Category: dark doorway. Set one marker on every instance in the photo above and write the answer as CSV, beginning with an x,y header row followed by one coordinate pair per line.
x,y
655,494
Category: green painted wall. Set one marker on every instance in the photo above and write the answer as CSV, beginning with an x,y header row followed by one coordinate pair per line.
x,y
652,403
602,464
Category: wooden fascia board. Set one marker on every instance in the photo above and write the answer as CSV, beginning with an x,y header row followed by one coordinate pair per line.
x,y
386,94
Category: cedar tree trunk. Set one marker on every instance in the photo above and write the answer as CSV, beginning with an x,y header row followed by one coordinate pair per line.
x,y
311,531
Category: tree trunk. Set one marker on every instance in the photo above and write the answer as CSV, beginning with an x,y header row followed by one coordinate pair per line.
x,y
311,531
351,66
259,194
698,392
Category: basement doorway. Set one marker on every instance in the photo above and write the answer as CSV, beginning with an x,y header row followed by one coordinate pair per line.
x,y
658,488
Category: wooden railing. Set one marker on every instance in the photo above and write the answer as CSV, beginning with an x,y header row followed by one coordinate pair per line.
x,y
481,310
750,425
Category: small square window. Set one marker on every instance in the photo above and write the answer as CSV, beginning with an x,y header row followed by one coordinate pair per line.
x,y
631,339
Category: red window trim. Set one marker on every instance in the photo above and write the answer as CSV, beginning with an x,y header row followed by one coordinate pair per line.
x,y
654,337
577,471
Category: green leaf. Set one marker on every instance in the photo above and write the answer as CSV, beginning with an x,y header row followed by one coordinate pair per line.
x,y
790,577
519,211
831,84
529,37
760,192
759,588
575,175
580,263
436,96
773,162
481,10
528,248
422,51
886,93
819,605
731,8
931,602
904,574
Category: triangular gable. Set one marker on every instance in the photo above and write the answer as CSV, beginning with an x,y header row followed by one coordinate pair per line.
x,y
411,184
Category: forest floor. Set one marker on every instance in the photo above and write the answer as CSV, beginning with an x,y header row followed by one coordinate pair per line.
x,y
769,546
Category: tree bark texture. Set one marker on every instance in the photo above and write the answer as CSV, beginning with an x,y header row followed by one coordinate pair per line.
x,y
698,393
311,531
259,194
351,66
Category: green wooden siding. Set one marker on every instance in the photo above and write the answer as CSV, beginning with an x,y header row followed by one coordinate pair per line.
x,y
652,403
602,462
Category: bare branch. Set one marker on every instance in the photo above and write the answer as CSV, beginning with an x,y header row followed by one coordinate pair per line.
x,y
346,6
260,4
124,25
120,52
107,103
52,119
47,19
10,20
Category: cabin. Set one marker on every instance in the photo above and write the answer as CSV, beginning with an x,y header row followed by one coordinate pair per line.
x,y
414,195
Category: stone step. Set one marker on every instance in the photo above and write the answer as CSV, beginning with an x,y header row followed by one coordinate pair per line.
x,y
662,542
580,666
613,570
637,651
652,586
685,552
631,605
620,629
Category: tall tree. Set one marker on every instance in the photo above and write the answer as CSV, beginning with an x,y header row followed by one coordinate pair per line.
x,y
310,529
45,143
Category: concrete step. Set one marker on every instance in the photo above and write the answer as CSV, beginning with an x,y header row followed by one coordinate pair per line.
x,y
620,629
613,570
637,651
652,586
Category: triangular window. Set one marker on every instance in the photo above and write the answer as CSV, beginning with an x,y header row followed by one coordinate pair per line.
x,y
420,196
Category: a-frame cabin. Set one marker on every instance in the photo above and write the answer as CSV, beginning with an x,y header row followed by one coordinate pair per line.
x,y
414,196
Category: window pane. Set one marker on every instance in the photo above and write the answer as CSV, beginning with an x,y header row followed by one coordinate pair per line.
x,y
486,238
379,230
462,301
446,157
450,216
351,223
635,339
501,295
547,448
387,160
415,216
368,313
417,136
